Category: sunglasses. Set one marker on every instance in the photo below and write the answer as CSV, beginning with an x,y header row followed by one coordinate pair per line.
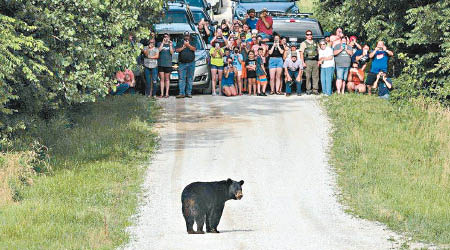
x,y
322,44
309,34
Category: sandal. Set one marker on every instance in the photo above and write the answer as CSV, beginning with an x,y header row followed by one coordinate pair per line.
x,y
271,92
166,96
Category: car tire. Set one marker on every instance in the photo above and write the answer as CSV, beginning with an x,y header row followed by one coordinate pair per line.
x,y
208,90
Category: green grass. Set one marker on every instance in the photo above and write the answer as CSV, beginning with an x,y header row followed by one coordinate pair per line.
x,y
393,163
98,159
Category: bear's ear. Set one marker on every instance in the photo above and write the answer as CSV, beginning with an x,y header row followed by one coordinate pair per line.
x,y
229,181
241,182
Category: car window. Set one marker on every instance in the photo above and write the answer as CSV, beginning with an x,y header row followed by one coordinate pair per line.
x,y
198,15
178,38
259,1
288,29
174,17
196,3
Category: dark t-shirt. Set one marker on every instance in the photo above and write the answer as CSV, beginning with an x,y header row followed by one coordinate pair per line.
x,y
186,55
165,58
251,73
219,40
276,52
382,88
363,60
205,36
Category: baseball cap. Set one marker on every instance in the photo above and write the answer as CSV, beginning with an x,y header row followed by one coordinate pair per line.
x,y
353,38
251,11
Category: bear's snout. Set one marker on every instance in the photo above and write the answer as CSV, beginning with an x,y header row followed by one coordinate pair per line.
x,y
239,195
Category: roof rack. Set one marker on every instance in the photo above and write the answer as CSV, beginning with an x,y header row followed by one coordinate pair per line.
x,y
281,14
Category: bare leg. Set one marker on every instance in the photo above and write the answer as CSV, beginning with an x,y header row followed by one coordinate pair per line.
x,y
233,91
167,79
273,73
213,80
361,88
338,85
161,82
350,87
220,72
279,85
239,85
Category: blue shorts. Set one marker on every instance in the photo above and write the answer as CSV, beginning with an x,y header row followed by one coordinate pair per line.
x,y
216,67
342,73
275,62
227,84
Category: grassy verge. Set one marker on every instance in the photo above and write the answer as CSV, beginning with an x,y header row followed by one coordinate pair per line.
x,y
86,200
393,163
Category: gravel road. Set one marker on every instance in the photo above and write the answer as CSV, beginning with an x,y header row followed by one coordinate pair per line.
x,y
278,146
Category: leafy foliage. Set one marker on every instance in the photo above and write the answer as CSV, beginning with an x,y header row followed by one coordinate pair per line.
x,y
417,31
63,52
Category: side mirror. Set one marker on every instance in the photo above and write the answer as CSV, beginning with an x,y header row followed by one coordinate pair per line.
x,y
214,23
208,6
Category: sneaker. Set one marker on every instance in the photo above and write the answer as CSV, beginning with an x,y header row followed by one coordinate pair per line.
x,y
180,96
288,94
299,94
308,92
214,93
263,94
315,92
188,96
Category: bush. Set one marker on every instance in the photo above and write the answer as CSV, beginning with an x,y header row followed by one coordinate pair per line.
x,y
63,52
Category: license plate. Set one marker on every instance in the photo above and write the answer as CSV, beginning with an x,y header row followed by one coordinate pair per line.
x,y
174,76
293,39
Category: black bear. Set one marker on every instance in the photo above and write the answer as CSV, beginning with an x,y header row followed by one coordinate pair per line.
x,y
206,200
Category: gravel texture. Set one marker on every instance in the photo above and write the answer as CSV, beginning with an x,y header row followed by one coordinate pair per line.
x,y
278,146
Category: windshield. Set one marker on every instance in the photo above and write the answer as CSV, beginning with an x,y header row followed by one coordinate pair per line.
x,y
260,1
178,38
198,16
289,29
174,17
196,3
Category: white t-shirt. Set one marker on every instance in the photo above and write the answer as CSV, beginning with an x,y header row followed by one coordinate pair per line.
x,y
326,53
289,54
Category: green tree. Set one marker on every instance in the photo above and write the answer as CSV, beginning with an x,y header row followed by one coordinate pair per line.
x,y
63,52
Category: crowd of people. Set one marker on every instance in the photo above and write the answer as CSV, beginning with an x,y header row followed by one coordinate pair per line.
x,y
248,57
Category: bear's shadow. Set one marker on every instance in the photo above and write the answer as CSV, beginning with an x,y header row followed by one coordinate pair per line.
x,y
236,230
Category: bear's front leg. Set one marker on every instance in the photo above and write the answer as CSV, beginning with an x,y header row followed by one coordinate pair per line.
x,y
215,218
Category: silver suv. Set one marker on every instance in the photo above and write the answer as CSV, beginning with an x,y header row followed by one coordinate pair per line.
x,y
202,58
